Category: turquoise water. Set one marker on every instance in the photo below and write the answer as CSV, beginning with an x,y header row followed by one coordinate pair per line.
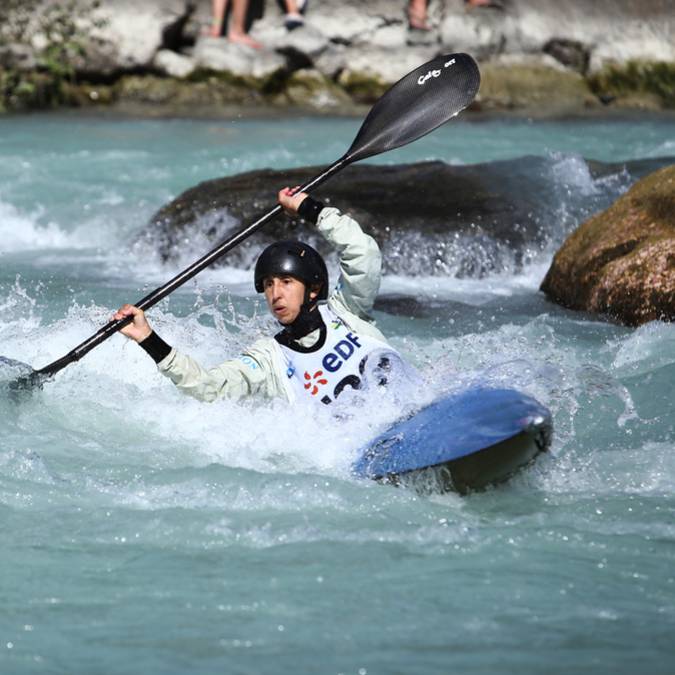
x,y
146,532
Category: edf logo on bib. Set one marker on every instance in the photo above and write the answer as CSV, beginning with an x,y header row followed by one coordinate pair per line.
x,y
343,350
332,362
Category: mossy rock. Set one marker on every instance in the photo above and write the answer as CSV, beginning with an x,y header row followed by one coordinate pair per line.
x,y
638,101
211,91
29,91
621,262
84,95
362,87
656,79
226,79
311,89
532,86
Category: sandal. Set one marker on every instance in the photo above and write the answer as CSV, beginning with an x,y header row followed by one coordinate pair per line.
x,y
293,21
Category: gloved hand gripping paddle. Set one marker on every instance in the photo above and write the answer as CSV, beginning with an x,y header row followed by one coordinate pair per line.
x,y
417,104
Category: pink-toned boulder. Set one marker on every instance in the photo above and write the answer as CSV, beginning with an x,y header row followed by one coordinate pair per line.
x,y
621,262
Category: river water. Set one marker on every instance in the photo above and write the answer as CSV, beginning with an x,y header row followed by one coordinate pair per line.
x,y
144,532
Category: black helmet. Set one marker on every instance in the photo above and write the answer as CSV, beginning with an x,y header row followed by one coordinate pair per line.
x,y
293,259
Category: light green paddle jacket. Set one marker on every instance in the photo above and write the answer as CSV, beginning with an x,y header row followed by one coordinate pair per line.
x,y
261,369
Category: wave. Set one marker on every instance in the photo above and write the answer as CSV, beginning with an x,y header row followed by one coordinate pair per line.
x,y
22,232
115,392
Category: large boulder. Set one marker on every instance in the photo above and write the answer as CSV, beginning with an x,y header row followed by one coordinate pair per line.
x,y
612,30
429,218
171,64
126,35
241,61
368,73
621,262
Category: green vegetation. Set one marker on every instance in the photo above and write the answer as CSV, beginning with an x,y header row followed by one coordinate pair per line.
x,y
362,87
52,37
636,78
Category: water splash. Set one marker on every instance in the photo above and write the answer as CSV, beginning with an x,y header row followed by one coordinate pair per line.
x,y
23,232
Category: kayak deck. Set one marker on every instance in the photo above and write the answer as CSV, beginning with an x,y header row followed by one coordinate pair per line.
x,y
461,442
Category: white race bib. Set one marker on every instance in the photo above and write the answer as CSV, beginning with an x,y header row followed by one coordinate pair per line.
x,y
337,360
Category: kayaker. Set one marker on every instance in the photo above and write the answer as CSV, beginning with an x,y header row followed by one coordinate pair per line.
x,y
329,340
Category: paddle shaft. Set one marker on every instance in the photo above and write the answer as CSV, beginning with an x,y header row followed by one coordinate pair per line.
x,y
160,293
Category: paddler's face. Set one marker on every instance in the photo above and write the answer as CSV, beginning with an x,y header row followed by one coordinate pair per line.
x,y
285,296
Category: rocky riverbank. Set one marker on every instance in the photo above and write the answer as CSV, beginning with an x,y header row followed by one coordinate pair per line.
x,y
153,57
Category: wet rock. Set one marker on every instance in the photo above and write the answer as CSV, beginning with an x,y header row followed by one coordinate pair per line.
x,y
30,90
84,95
133,31
406,305
362,87
429,218
621,262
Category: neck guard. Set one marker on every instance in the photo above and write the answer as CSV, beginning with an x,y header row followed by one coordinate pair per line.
x,y
308,320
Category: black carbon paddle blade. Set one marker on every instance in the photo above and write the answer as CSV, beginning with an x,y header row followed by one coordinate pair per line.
x,y
417,104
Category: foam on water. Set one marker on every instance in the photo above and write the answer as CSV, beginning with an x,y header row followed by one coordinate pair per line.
x,y
21,232
470,291
36,231
153,423
650,347
149,413
572,174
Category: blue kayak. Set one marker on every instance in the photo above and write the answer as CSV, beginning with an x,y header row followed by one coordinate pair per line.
x,y
462,442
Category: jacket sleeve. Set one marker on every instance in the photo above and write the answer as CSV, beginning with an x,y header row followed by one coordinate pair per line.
x,y
253,373
360,262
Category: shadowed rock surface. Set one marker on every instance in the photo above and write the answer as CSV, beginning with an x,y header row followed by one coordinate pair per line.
x,y
423,209
621,262
429,218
